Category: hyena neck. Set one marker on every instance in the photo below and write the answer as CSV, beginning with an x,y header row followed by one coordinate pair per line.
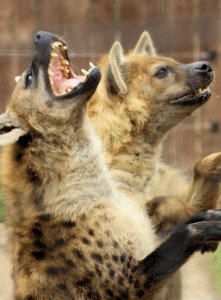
x,y
44,178
135,165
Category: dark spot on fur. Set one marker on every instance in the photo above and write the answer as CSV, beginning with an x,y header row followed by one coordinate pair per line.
x,y
39,244
137,284
130,257
122,258
45,217
115,244
124,295
83,282
134,269
109,266
37,232
130,279
83,217
69,224
123,270
19,156
97,257
147,285
52,271
90,274
106,256
25,140
115,258
62,286
33,176
98,271
79,253
128,265
60,242
71,263
91,232
100,244
86,241
112,273
49,103
140,294
110,293
39,194
121,281
29,298
38,254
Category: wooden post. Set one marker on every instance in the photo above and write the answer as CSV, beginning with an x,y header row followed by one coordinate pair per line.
x,y
196,56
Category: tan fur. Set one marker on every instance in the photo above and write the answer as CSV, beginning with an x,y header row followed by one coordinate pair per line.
x,y
132,126
71,235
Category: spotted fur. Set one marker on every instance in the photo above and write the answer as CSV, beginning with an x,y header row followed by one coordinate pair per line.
x,y
72,236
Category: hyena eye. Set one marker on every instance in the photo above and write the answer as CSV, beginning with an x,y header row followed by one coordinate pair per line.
x,y
162,73
28,79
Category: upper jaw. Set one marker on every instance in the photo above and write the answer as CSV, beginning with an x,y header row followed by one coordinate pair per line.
x,y
61,80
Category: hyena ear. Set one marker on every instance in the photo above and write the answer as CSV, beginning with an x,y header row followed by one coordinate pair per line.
x,y
116,68
10,129
145,45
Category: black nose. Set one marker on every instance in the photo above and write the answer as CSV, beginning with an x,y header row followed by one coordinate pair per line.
x,y
202,67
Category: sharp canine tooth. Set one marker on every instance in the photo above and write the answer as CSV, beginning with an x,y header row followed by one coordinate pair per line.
x,y
50,65
63,93
54,54
62,48
68,89
50,73
64,62
84,72
17,78
91,65
56,44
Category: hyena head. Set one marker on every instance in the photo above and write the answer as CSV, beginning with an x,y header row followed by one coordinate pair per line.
x,y
49,97
145,93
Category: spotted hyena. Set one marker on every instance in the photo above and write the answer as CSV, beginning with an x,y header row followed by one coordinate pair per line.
x,y
72,236
140,98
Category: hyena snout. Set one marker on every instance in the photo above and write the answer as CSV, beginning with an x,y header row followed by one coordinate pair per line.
x,y
202,67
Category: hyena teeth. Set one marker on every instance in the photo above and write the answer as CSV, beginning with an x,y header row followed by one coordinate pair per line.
x,y
64,62
17,78
50,73
84,72
62,68
54,54
91,65
62,48
68,90
50,65
55,45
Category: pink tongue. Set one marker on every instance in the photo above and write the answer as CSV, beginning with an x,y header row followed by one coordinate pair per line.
x,y
61,83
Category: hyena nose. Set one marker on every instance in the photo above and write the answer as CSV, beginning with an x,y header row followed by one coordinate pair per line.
x,y
203,67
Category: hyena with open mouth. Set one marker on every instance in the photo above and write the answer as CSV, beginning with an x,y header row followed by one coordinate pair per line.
x,y
71,235
140,98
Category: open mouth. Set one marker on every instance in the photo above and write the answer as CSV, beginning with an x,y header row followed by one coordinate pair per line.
x,y
62,78
200,96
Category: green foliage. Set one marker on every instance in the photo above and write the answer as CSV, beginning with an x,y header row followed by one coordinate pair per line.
x,y
215,268
2,208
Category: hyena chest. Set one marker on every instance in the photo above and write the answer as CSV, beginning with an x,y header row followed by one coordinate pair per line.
x,y
69,258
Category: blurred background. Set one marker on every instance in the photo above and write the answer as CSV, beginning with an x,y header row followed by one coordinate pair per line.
x,y
186,30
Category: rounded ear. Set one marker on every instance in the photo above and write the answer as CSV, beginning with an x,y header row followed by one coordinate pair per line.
x,y
117,67
10,129
145,45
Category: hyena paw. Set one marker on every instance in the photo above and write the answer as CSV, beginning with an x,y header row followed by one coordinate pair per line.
x,y
209,166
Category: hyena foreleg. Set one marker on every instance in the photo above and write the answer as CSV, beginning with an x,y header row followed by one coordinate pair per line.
x,y
181,242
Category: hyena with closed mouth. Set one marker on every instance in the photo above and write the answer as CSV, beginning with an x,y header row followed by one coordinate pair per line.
x,y
71,235
140,98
